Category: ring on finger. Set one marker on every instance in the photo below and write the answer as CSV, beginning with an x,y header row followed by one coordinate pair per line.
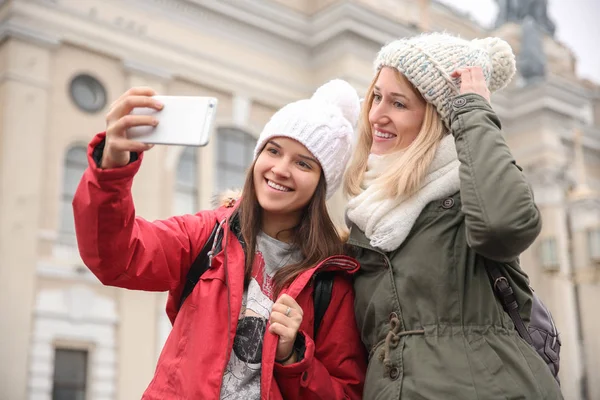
x,y
288,311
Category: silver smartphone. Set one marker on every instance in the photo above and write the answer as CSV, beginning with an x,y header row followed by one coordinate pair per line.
x,y
184,121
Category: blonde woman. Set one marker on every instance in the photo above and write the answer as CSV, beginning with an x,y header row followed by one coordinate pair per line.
x,y
435,193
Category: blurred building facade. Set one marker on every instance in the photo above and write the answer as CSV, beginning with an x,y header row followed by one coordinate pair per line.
x,y
63,62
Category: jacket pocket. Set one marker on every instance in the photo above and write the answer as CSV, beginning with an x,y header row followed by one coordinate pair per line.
x,y
167,381
378,384
491,377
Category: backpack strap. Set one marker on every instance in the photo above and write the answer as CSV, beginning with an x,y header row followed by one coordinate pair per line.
x,y
199,266
321,297
508,299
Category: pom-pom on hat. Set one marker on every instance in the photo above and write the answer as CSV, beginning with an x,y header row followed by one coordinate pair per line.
x,y
324,124
428,60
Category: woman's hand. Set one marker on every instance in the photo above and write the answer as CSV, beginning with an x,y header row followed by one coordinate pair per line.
x,y
117,147
472,81
286,317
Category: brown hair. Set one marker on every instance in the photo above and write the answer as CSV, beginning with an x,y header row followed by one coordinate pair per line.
x,y
405,176
316,235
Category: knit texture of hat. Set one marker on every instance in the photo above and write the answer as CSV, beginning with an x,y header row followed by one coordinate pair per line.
x,y
324,124
428,60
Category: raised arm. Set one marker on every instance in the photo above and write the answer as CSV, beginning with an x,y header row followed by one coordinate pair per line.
x,y
501,217
124,250
118,247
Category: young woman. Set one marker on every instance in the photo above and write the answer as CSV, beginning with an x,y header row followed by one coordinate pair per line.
x,y
246,330
436,194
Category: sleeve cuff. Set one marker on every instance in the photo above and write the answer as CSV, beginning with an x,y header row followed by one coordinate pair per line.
x,y
464,103
305,349
98,151
95,152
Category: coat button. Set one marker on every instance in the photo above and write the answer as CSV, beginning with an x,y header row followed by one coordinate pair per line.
x,y
393,316
460,102
448,203
394,373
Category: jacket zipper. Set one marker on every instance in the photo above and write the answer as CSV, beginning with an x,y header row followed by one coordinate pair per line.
x,y
225,245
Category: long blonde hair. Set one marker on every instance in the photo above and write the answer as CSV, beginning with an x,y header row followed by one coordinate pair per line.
x,y
406,174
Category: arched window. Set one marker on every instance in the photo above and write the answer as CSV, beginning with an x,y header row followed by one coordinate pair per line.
x,y
75,165
186,184
235,151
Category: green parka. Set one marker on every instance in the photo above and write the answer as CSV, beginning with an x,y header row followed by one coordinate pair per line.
x,y
427,311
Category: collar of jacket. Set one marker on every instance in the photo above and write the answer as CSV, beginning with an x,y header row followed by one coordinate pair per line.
x,y
359,239
340,263
236,228
334,263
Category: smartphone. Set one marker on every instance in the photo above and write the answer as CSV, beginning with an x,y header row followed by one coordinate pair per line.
x,y
184,121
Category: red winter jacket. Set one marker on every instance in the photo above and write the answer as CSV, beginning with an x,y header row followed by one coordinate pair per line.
x,y
127,251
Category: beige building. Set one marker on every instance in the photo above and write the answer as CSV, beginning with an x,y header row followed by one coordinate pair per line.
x,y
62,63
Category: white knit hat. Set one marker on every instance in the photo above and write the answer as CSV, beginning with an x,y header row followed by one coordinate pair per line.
x,y
428,60
324,124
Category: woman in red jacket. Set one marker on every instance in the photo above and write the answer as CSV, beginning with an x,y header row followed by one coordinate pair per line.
x,y
246,330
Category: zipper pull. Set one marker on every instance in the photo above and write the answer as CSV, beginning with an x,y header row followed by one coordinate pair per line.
x,y
210,257
214,243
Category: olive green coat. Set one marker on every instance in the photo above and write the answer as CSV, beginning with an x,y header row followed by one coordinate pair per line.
x,y
426,311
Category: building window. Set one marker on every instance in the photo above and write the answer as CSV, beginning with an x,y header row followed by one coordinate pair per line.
x,y
87,93
186,184
235,154
70,374
75,165
549,254
594,245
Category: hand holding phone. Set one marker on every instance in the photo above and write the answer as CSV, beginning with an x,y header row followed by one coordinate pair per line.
x,y
118,147
134,118
184,120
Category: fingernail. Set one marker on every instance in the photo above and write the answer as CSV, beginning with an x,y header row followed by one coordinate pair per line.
x,y
159,105
155,122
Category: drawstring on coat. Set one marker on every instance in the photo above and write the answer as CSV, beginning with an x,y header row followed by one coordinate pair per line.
x,y
391,342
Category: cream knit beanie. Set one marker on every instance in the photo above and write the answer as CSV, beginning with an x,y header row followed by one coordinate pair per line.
x,y
428,60
324,124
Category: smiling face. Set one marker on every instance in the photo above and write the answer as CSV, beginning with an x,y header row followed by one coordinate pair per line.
x,y
285,176
396,113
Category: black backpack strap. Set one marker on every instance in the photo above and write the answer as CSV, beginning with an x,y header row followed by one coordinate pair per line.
x,y
508,299
321,297
199,266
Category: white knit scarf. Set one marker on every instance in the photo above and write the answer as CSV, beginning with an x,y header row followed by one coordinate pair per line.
x,y
387,222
